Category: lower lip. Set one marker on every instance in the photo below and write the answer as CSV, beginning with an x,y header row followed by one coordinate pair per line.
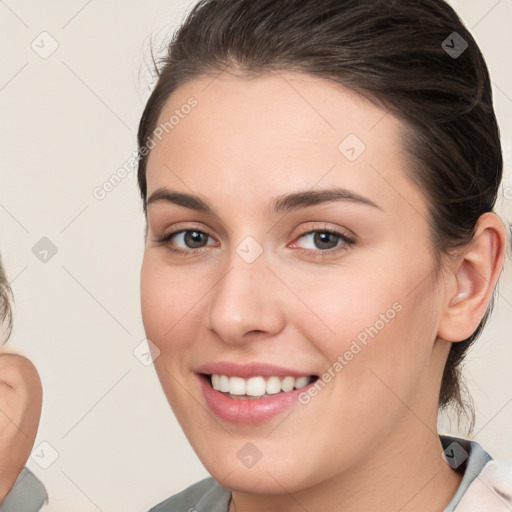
x,y
249,411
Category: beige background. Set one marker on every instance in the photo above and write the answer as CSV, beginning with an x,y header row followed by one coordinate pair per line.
x,y
68,122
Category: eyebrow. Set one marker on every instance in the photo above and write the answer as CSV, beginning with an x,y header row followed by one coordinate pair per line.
x,y
281,204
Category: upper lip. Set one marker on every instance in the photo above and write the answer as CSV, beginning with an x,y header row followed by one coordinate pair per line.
x,y
248,370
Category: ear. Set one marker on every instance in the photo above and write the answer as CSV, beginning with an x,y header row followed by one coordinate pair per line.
x,y
472,278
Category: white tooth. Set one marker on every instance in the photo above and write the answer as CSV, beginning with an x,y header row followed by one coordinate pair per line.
x,y
255,386
237,386
300,382
224,384
273,385
287,384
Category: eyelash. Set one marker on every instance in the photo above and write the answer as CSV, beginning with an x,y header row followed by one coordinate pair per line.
x,y
347,242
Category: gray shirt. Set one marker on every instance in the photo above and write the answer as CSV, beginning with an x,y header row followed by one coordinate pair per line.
x,y
26,495
465,456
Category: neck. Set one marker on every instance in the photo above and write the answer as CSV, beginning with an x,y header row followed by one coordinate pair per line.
x,y
414,479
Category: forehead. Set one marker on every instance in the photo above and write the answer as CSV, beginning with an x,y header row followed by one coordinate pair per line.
x,y
273,132
293,106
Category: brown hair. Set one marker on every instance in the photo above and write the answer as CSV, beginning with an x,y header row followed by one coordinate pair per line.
x,y
5,304
396,53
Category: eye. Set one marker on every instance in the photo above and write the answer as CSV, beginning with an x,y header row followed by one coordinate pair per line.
x,y
187,240
324,241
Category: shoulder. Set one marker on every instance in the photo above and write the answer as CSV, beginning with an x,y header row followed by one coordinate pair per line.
x,y
491,490
27,494
206,495
486,483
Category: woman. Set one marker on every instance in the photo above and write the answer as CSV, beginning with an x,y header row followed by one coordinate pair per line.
x,y
20,409
319,180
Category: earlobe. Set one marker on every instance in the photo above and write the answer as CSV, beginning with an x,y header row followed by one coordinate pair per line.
x,y
475,274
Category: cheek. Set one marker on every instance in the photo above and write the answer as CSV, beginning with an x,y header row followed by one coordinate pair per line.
x,y
153,307
167,314
167,297
347,306
380,321
162,303
394,362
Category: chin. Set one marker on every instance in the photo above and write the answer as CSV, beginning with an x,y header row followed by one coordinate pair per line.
x,y
264,481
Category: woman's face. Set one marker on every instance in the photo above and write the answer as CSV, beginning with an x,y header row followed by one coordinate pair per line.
x,y
260,288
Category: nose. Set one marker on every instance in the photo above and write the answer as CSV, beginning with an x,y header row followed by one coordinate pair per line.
x,y
246,302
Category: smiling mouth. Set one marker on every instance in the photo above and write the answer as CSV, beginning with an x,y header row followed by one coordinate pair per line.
x,y
256,387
